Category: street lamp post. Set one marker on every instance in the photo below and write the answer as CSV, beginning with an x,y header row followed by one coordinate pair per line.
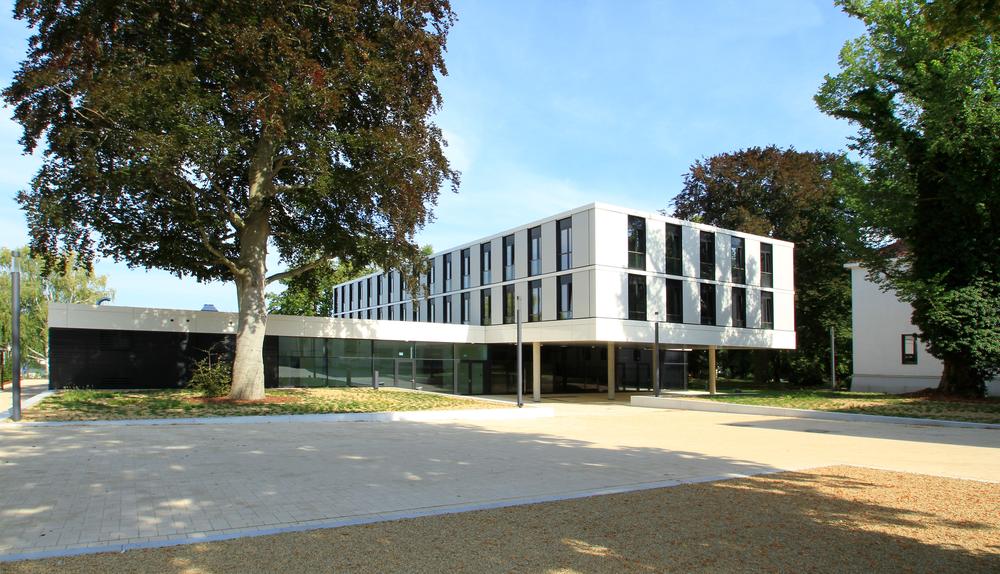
x,y
520,373
15,338
656,353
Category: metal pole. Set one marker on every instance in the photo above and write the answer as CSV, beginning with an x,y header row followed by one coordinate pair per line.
x,y
833,360
656,356
15,338
520,374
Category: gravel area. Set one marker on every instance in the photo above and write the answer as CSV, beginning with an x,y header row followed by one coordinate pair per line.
x,y
836,519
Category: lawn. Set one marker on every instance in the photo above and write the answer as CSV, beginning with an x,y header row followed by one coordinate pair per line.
x,y
917,406
89,405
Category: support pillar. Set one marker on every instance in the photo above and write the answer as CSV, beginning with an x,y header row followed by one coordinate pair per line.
x,y
611,371
536,372
711,369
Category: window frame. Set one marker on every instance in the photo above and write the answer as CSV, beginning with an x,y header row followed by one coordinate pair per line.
x,y
909,358
486,306
564,246
767,265
465,268
711,318
485,263
706,245
636,237
534,300
738,254
673,264
767,310
509,301
633,312
534,251
564,302
739,319
509,246
674,286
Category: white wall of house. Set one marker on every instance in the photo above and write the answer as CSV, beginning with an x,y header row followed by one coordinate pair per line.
x,y
878,321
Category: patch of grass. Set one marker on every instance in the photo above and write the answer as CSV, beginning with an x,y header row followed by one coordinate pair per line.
x,y
927,407
86,405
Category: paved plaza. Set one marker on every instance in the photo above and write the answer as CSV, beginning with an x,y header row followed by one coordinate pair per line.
x,y
78,487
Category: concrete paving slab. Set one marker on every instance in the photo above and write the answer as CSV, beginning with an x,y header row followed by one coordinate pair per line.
x,y
78,488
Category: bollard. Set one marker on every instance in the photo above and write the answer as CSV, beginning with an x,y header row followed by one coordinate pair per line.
x,y
375,380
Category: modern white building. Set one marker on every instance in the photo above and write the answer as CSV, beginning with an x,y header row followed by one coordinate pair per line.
x,y
597,286
888,354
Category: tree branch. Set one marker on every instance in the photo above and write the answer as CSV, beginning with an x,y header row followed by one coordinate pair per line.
x,y
297,271
206,241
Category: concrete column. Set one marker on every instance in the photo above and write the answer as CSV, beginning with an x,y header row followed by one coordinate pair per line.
x,y
536,372
611,371
711,369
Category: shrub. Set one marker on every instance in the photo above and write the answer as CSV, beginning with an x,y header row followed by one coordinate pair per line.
x,y
211,379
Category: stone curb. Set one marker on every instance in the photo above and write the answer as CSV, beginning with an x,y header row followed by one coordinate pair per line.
x,y
722,407
529,412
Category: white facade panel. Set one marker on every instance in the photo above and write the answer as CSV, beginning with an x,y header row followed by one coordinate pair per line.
x,y
521,255
475,267
656,298
690,255
692,302
611,238
752,249
611,293
549,300
784,273
581,294
549,254
723,260
656,246
724,305
784,311
753,308
582,239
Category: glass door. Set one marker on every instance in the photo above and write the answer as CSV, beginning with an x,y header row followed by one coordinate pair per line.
x,y
403,373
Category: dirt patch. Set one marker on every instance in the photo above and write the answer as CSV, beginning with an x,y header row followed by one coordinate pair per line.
x,y
267,400
937,396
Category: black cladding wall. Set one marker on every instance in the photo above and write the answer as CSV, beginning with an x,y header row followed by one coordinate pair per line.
x,y
105,359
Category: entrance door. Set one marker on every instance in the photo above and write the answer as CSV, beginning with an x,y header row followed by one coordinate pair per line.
x,y
476,376
403,373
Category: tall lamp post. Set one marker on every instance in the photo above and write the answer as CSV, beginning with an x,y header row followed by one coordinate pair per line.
x,y
15,337
656,353
520,370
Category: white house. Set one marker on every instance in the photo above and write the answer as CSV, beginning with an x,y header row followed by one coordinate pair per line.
x,y
888,354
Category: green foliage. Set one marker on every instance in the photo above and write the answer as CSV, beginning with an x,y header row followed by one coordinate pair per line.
x,y
192,137
311,294
925,102
799,197
68,284
211,378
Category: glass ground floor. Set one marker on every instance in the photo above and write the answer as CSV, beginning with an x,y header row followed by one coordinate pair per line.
x,y
469,369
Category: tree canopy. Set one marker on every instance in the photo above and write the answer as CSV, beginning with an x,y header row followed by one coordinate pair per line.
x,y
195,137
925,100
39,287
799,197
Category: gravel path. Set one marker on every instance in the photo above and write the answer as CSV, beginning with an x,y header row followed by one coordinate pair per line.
x,y
835,519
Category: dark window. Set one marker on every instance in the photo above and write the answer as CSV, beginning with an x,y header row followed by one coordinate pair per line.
x,y
485,263
766,265
637,297
415,309
388,313
675,301
564,243
508,258
707,253
378,313
465,308
564,294
485,307
402,311
636,242
447,272
368,313
707,304
738,253
388,284
431,311
535,300
673,249
739,307
368,291
359,296
466,268
430,274
446,310
910,349
767,309
402,286
336,302
378,290
534,251
508,304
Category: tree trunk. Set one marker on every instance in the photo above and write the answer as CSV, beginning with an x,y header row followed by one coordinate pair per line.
x,y
248,367
958,379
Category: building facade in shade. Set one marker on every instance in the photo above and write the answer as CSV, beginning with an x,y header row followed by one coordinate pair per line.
x,y
889,356
593,284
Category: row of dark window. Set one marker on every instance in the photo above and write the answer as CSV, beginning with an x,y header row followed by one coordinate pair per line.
x,y
707,314
564,305
564,261
673,253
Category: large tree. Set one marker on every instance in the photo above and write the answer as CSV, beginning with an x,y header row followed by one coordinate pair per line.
x,y
195,136
927,104
799,197
39,287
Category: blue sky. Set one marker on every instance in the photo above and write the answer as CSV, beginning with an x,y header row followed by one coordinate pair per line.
x,y
551,104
